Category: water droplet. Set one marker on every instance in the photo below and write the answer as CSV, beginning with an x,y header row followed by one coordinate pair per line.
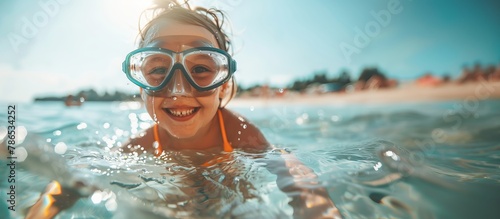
x,y
21,153
239,132
174,98
299,121
60,148
154,112
81,126
281,90
21,134
392,155
96,197
335,118
244,126
57,132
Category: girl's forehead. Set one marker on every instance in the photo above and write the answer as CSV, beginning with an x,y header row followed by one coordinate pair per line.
x,y
171,33
180,43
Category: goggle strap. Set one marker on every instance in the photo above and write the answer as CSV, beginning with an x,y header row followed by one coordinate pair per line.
x,y
233,65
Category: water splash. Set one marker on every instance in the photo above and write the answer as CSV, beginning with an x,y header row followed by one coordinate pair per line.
x,y
154,112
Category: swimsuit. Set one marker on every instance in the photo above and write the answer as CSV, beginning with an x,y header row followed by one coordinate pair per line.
x,y
227,146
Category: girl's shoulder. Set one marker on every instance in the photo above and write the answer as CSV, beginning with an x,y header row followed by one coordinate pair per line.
x,y
241,133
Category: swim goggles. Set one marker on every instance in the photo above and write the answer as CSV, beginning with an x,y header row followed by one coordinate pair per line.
x,y
205,68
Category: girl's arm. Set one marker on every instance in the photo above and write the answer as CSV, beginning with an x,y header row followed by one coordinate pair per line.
x,y
299,182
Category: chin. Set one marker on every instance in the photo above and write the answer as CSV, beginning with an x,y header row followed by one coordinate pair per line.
x,y
182,134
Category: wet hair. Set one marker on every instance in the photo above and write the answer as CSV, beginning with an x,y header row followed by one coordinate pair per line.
x,y
211,19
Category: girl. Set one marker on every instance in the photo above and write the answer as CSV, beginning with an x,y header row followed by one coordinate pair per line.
x,y
185,75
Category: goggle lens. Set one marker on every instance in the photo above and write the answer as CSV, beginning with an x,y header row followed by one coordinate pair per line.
x,y
150,68
206,68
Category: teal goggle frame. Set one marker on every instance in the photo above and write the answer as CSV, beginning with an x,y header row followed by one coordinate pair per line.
x,y
127,68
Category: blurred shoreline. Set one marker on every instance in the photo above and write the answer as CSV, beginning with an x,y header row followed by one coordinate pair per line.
x,y
405,93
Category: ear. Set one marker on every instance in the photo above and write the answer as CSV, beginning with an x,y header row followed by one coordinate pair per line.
x,y
223,90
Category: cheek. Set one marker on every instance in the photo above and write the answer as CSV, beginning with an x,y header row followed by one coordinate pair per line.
x,y
211,101
152,104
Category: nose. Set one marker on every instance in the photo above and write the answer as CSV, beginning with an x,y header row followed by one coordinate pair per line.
x,y
179,86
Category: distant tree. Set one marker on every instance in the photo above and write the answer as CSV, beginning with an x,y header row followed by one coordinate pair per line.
x,y
367,73
92,95
446,77
344,78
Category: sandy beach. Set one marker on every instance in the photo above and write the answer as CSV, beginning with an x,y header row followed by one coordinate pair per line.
x,y
473,91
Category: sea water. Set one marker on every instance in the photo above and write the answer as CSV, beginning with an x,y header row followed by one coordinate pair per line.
x,y
418,160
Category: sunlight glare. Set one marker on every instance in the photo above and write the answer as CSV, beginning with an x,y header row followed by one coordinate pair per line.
x,y
126,14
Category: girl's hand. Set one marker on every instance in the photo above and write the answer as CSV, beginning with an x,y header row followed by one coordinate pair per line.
x,y
54,199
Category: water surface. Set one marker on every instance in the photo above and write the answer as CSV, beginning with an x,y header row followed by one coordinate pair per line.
x,y
420,160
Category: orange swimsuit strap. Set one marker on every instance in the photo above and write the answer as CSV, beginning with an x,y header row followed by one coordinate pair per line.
x,y
227,146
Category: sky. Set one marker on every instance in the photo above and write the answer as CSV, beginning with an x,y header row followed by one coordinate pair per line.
x,y
58,47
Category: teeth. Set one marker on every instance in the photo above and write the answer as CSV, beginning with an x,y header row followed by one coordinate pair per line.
x,y
181,113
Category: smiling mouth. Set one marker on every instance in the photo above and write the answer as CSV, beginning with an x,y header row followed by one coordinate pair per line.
x,y
181,112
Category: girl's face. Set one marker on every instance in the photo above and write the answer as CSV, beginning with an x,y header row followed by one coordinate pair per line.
x,y
179,108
